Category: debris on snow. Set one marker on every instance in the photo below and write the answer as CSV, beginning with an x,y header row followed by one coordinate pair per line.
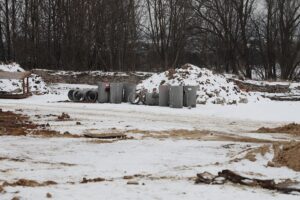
x,y
213,88
29,183
230,176
94,180
132,183
36,83
63,116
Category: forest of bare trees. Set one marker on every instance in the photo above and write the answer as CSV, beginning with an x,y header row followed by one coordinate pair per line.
x,y
244,37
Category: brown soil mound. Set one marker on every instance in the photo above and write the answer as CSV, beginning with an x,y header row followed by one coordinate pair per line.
x,y
19,125
287,155
293,129
28,183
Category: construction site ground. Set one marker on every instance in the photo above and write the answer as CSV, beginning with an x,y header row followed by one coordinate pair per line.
x,y
44,152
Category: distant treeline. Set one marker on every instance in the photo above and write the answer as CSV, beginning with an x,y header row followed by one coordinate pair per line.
x,y
239,36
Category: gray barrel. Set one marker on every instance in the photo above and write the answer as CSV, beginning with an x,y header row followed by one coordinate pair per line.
x,y
91,95
164,95
70,95
116,92
152,99
78,95
190,96
129,88
176,96
103,94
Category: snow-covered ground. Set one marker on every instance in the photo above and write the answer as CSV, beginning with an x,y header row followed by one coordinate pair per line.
x,y
227,118
164,167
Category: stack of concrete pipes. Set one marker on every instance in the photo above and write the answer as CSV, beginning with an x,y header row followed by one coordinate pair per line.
x,y
80,95
168,96
173,96
106,93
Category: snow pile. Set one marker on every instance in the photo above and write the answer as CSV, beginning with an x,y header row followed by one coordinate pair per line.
x,y
36,83
213,88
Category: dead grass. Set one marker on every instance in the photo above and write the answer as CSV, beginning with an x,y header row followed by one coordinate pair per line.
x,y
286,154
293,129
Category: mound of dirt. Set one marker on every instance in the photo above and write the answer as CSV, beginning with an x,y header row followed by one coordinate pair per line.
x,y
293,129
36,83
90,77
213,88
287,155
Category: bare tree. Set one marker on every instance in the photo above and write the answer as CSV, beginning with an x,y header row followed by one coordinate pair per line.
x,y
168,20
289,43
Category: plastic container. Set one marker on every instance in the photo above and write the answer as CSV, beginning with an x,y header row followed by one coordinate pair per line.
x,y
176,96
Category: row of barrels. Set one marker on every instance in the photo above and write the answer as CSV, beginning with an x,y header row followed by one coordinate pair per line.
x,y
167,96
173,96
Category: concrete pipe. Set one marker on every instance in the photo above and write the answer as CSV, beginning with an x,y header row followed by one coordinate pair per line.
x,y
190,96
116,93
103,92
176,96
70,95
164,93
78,95
152,99
129,88
91,95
